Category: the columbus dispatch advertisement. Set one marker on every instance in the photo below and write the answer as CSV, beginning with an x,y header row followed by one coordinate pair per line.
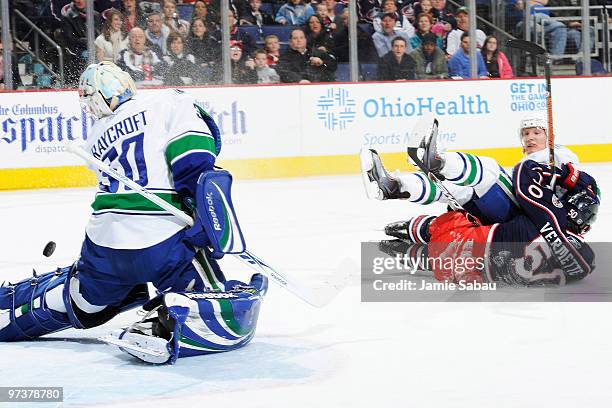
x,y
396,271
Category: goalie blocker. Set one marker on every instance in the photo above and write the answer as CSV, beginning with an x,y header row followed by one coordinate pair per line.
x,y
216,225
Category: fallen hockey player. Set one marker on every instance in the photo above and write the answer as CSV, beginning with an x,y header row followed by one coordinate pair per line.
x,y
169,145
529,234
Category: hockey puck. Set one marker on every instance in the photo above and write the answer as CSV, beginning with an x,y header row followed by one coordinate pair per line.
x,y
49,249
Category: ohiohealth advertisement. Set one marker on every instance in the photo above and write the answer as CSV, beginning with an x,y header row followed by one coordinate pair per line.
x,y
326,119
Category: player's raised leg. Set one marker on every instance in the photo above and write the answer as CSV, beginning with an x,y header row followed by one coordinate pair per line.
x,y
414,187
378,182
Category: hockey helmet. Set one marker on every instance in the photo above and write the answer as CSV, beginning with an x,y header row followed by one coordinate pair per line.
x,y
104,87
532,123
581,212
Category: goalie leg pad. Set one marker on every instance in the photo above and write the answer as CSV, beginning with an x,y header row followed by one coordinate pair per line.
x,y
196,323
24,312
46,303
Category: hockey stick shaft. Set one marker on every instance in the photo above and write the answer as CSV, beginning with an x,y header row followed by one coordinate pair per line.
x,y
100,165
549,117
250,259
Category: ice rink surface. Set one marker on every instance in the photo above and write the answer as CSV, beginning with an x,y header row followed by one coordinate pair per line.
x,y
348,354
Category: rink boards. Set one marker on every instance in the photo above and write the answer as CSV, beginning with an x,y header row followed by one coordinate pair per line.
x,y
295,131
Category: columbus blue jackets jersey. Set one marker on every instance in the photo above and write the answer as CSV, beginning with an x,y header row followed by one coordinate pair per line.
x,y
536,243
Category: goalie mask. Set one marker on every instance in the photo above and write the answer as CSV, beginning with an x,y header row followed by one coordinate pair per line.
x,y
582,212
104,87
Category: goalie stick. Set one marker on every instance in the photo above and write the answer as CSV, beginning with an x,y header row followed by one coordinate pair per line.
x,y
538,51
318,297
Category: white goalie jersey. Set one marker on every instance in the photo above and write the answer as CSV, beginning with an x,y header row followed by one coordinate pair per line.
x,y
159,142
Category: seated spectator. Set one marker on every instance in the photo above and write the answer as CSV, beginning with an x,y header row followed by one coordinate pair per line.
x,y
14,67
321,11
74,34
445,14
453,40
272,47
201,10
157,34
365,46
316,36
496,62
574,24
254,16
396,65
401,21
243,68
172,19
425,6
424,24
294,12
334,9
242,37
298,64
555,31
113,39
367,10
265,74
446,21
143,64
459,64
132,17
182,67
382,39
430,60
206,49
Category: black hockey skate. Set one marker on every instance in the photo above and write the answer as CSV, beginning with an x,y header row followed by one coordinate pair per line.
x,y
432,160
398,229
414,230
378,183
414,255
393,247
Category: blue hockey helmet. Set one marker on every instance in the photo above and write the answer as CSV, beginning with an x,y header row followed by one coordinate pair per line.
x,y
104,87
582,212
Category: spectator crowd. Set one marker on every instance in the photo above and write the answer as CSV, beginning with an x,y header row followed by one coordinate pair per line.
x,y
160,42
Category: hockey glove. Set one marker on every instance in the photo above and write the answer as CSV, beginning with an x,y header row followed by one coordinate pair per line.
x,y
576,181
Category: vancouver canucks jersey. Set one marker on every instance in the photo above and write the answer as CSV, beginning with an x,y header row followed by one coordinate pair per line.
x,y
563,155
163,144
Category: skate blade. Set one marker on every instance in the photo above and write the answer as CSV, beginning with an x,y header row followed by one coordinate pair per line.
x,y
146,348
373,192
